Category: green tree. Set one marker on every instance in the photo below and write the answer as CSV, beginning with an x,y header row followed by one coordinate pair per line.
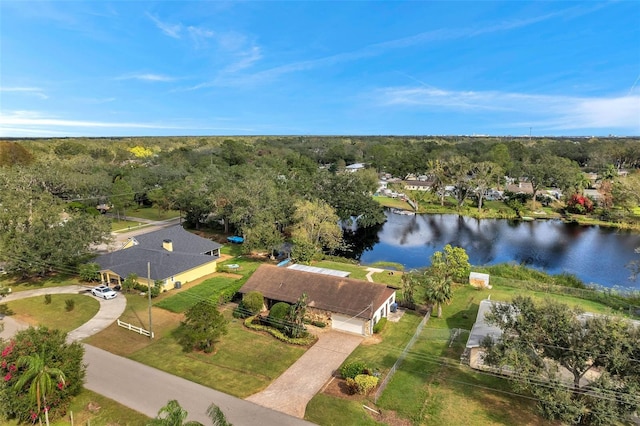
x,y
130,282
89,272
173,414
410,283
454,261
121,196
40,370
315,223
438,285
294,321
40,379
484,174
540,341
202,328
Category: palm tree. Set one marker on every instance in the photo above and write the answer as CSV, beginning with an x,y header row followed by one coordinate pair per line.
x,y
438,286
41,378
172,414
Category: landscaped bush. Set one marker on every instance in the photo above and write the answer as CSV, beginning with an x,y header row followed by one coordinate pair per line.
x,y
380,325
69,305
253,302
319,324
365,383
305,340
278,313
47,299
352,369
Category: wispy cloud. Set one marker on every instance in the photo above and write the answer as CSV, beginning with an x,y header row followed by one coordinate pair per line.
x,y
172,30
38,123
33,91
378,49
147,77
550,112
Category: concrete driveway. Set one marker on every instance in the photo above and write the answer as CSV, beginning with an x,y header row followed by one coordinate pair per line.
x,y
110,310
291,392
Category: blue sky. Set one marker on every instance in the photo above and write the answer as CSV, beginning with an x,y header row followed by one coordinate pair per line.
x,y
93,68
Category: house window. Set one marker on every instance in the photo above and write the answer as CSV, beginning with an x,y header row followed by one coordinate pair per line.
x,y
171,279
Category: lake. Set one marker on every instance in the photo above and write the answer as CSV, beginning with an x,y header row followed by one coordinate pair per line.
x,y
594,254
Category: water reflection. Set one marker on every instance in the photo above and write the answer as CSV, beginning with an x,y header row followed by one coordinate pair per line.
x,y
594,254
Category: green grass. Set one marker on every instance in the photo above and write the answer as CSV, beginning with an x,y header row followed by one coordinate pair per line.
x,y
57,280
244,363
357,272
210,289
110,413
431,387
395,203
152,213
54,315
326,410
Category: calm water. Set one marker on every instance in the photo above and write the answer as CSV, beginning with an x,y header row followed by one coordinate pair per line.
x,y
594,254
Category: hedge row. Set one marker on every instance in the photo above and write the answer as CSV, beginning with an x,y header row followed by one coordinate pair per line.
x,y
309,339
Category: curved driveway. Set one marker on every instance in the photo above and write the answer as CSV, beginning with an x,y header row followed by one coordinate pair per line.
x,y
139,386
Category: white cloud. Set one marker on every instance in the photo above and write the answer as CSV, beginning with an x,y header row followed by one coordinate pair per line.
x,y
147,77
550,112
34,91
172,30
17,123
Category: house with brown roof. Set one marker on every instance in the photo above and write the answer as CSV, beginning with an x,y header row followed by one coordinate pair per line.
x,y
351,305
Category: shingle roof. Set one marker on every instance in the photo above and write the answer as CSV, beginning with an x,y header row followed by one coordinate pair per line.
x,y
187,253
336,294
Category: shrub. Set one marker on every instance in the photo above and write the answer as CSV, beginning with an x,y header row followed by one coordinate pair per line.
x,y
278,313
352,369
365,383
253,302
47,299
89,272
352,386
319,324
69,305
305,340
56,353
380,325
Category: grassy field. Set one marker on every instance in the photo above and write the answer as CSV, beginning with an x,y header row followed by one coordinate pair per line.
x,y
152,213
125,225
391,278
56,280
106,412
394,203
54,315
210,289
431,387
244,363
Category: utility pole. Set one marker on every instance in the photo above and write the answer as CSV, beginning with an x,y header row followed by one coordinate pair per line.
x,y
529,134
149,296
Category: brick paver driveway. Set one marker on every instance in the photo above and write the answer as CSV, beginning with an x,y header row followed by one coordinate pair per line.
x,y
291,392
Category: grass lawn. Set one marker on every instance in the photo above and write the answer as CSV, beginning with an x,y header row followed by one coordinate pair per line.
x,y
210,289
108,413
360,272
152,213
57,280
395,203
125,225
431,387
244,363
54,315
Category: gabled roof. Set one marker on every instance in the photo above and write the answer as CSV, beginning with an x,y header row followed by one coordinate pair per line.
x,y
188,253
336,294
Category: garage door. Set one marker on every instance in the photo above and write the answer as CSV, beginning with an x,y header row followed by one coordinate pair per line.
x,y
349,324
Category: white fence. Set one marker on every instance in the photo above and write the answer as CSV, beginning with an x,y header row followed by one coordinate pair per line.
x,y
136,329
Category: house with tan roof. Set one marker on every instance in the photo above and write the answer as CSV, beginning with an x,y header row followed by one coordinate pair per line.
x,y
350,305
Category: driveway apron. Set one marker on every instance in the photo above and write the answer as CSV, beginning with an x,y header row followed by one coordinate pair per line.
x,y
291,392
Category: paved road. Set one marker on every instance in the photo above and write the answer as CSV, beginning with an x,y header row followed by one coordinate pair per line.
x,y
144,388
291,392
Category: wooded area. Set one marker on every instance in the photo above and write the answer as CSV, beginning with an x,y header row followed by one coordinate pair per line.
x,y
265,188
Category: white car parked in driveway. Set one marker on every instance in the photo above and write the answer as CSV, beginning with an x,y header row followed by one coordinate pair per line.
x,y
104,292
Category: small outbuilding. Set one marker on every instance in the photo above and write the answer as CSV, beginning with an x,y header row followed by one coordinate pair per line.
x,y
479,280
